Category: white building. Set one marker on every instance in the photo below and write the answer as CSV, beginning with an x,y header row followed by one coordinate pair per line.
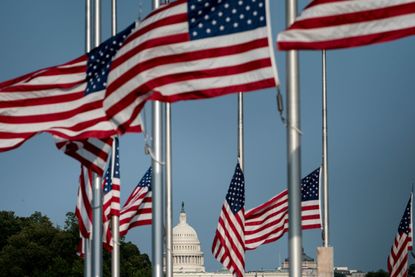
x,y
188,259
187,253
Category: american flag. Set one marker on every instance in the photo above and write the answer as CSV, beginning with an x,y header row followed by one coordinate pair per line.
x,y
191,49
65,100
228,245
93,152
111,187
269,221
330,24
83,210
398,258
138,207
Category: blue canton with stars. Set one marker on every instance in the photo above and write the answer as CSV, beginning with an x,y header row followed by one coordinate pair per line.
x,y
108,179
210,18
236,193
405,225
99,61
146,180
310,186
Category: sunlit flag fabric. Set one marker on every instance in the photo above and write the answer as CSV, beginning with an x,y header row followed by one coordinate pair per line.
x,y
190,49
138,207
398,258
83,210
64,100
269,221
228,245
330,24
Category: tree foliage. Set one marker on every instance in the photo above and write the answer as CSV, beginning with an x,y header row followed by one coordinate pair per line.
x,y
33,246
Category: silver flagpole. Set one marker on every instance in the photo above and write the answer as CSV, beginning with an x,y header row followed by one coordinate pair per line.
x,y
325,253
88,13
325,158
97,188
115,220
157,213
293,153
241,130
169,194
157,183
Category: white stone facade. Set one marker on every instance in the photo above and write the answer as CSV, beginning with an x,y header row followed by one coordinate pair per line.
x,y
187,253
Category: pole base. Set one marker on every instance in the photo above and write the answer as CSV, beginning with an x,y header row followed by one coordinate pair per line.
x,y
325,265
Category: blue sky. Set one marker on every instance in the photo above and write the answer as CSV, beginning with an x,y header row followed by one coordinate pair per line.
x,y
370,124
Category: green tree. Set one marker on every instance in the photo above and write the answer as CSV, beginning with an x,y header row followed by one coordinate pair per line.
x,y
33,247
133,263
10,224
29,250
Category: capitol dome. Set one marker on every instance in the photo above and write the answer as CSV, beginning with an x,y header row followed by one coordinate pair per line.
x,y
187,253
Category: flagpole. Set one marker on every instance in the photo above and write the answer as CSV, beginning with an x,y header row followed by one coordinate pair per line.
x,y
157,183
169,194
88,25
97,188
326,241
169,191
115,220
325,254
157,215
241,130
293,152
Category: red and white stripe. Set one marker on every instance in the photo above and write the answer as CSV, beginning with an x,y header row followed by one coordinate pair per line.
x,y
402,245
93,152
137,211
330,24
83,210
398,259
269,221
51,100
228,244
171,67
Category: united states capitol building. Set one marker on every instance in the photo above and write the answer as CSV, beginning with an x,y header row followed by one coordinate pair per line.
x,y
188,259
